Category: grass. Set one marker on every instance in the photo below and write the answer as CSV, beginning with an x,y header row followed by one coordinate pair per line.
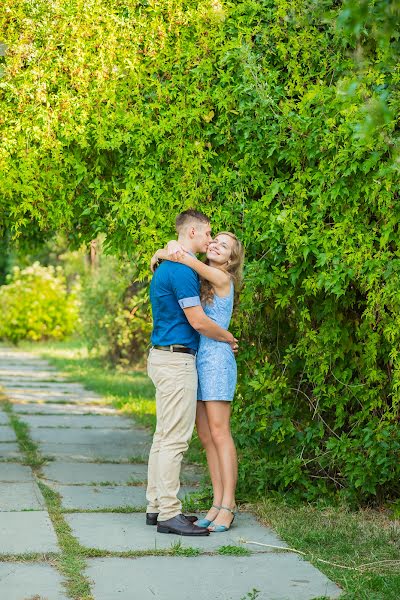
x,y
348,538
253,595
27,446
71,563
233,551
323,533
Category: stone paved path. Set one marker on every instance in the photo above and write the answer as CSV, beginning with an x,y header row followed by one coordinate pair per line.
x,y
96,463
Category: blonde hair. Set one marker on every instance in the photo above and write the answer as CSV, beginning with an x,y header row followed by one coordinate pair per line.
x,y
234,268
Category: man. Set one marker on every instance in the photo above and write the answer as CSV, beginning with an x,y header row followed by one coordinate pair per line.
x,y
178,319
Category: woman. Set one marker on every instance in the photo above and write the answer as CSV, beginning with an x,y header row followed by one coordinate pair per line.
x,y
221,277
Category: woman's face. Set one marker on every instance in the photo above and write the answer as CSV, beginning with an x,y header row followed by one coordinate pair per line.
x,y
220,249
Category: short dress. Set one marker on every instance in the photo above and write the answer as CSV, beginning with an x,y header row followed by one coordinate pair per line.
x,y
216,364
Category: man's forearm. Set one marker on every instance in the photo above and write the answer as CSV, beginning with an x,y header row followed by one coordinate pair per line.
x,y
209,328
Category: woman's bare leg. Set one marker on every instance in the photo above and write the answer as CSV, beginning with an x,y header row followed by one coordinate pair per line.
x,y
218,413
203,431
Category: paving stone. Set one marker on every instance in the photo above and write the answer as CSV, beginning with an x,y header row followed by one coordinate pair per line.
x,y
31,372
21,496
20,581
3,418
64,386
78,421
7,434
83,473
20,367
40,397
62,408
90,453
96,437
23,532
28,382
86,497
9,450
22,358
13,473
276,576
120,532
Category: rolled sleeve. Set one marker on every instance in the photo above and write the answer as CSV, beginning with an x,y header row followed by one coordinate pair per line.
x,y
188,302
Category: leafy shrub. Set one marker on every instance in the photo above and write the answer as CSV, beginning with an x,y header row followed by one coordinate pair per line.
x,y
115,312
35,305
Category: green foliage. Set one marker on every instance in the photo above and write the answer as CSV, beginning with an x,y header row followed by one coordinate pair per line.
x,y
278,121
234,551
115,312
35,305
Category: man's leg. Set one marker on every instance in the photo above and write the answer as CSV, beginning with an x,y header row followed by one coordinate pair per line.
x,y
176,379
152,469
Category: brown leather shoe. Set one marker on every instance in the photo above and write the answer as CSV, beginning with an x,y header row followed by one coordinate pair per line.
x,y
151,518
180,526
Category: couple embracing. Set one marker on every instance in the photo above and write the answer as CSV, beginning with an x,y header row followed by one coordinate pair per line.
x,y
193,368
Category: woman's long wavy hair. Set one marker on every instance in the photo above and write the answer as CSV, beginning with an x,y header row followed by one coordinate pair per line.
x,y
234,268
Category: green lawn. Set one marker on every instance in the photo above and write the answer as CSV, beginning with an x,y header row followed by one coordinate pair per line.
x,y
332,534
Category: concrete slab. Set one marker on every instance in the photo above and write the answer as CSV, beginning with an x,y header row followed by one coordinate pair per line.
x,y
62,408
18,358
20,581
11,377
3,418
15,473
82,497
24,532
43,397
9,450
15,385
93,437
83,473
21,496
86,452
7,434
276,576
78,421
20,372
29,362
118,532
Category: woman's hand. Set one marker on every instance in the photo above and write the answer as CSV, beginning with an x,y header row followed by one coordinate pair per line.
x,y
175,251
234,345
154,261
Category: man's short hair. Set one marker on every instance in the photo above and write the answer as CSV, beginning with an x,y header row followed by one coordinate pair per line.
x,y
187,217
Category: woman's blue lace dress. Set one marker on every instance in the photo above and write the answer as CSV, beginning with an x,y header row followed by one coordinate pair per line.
x,y
216,365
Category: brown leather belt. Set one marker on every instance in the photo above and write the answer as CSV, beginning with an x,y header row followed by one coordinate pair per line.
x,y
173,348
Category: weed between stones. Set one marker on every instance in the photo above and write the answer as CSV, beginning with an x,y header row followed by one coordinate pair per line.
x,y
233,551
32,457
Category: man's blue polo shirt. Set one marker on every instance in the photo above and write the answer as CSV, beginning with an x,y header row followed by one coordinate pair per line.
x,y
174,287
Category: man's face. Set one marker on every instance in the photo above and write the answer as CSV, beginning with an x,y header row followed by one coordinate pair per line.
x,y
202,237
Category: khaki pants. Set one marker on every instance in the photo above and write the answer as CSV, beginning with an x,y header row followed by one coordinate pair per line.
x,y
175,377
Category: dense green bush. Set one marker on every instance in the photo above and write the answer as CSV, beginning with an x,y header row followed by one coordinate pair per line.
x,y
282,126
115,312
35,305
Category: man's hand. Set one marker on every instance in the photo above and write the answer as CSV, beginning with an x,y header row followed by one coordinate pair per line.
x,y
175,251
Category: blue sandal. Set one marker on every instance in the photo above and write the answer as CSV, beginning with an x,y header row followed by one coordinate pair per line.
x,y
206,522
222,528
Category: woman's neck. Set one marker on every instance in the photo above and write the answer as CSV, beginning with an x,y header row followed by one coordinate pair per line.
x,y
211,263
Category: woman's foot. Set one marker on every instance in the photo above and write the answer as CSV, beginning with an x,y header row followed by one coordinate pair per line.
x,y
224,520
209,517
